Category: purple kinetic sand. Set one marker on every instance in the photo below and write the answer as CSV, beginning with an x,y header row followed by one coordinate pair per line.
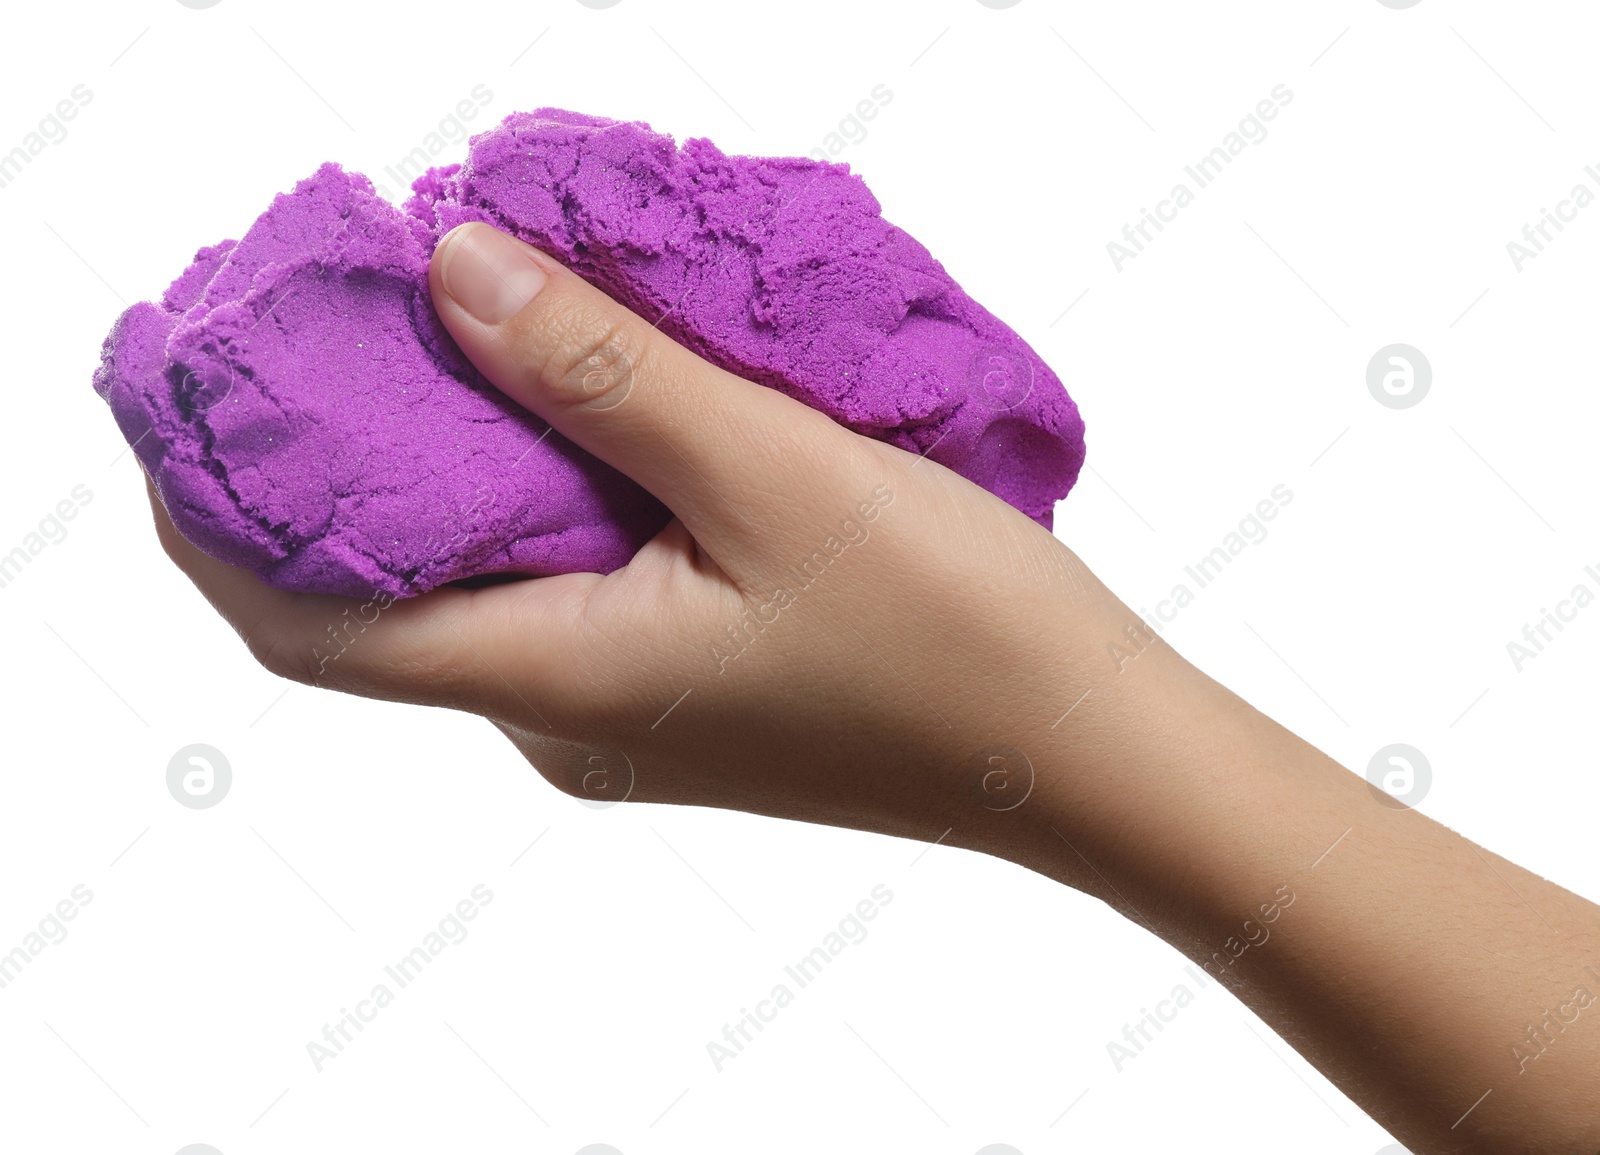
x,y
304,414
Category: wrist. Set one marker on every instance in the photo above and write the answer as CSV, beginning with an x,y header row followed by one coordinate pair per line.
x,y
1164,794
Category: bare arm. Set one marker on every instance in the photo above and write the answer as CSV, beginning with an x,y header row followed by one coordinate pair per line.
x,y
1452,994
834,630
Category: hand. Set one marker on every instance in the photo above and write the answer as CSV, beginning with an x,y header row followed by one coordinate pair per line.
x,y
831,629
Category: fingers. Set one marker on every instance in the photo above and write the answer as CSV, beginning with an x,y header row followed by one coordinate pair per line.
x,y
721,452
449,647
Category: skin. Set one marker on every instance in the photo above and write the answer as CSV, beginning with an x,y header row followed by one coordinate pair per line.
x,y
948,677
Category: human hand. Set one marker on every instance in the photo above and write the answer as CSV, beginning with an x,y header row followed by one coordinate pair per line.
x,y
920,684
830,629
833,630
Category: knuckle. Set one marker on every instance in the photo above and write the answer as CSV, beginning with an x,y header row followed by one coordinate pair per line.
x,y
593,360
281,659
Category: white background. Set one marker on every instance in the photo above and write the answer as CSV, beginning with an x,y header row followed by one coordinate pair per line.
x,y
1226,359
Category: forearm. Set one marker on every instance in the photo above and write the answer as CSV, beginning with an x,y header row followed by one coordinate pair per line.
x,y
1452,994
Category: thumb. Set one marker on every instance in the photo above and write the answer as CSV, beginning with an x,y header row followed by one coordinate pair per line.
x,y
719,451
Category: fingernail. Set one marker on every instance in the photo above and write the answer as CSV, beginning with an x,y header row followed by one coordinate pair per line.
x,y
488,273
